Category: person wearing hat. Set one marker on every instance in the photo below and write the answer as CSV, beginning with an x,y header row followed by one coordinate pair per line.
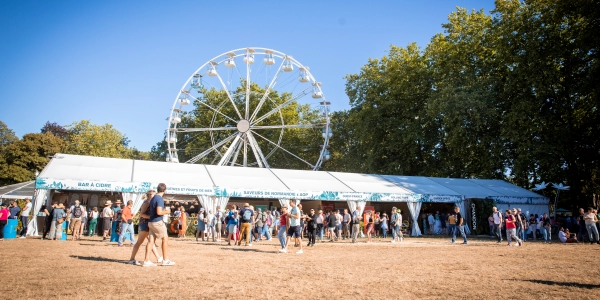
x,y
25,217
107,216
246,218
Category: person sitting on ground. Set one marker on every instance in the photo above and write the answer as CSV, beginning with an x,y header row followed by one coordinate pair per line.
x,y
565,237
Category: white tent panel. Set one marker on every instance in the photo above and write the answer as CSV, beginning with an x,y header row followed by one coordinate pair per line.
x,y
368,183
465,187
527,209
505,188
310,181
245,178
83,168
420,185
171,174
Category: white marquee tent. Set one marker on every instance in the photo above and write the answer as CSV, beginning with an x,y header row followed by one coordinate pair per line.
x,y
214,185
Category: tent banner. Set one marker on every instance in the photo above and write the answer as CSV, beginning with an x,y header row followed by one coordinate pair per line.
x,y
142,187
336,196
522,200
123,187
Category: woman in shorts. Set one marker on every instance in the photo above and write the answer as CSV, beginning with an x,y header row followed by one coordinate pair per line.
x,y
384,225
370,225
143,233
201,227
232,227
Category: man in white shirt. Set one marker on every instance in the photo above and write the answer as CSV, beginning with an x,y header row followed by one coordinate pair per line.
x,y
25,217
498,220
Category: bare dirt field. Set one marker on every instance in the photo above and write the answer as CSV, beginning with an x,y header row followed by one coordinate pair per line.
x,y
417,268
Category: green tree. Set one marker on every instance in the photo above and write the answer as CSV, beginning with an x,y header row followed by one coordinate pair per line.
x,y
24,157
86,138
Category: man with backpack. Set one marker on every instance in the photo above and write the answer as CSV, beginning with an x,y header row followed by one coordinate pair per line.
x,y
261,220
76,214
246,217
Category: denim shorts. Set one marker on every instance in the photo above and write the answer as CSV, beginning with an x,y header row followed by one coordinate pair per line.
x,y
294,231
143,226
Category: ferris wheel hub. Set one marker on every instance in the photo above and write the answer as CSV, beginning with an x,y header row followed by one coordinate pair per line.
x,y
243,126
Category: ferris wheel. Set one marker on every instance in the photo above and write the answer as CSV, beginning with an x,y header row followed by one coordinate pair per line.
x,y
251,107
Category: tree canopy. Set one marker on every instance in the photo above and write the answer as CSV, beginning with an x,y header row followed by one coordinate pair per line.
x,y
512,95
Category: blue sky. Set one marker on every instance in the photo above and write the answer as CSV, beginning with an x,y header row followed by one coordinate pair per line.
x,y
123,62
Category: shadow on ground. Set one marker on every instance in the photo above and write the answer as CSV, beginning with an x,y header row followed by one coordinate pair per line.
x,y
98,258
569,284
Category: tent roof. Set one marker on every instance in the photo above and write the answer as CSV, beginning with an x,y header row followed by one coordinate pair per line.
x,y
73,172
18,191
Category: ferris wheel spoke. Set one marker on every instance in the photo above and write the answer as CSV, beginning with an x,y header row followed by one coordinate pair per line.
x,y
260,158
217,111
245,153
282,105
225,158
268,91
211,149
285,150
229,95
287,126
237,152
204,129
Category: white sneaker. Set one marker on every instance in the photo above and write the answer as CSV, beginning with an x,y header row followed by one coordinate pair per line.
x,y
168,263
22,237
393,241
299,252
160,260
401,240
148,264
283,250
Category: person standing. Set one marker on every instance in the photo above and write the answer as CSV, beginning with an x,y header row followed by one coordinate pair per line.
x,y
49,220
4,212
396,223
218,223
127,224
156,225
582,227
346,225
338,223
93,216
14,210
201,226
107,217
431,222
77,212
319,220
311,226
518,223
384,226
590,224
331,219
246,217
451,223
232,226
370,225
533,225
355,224
511,227
58,217
294,228
459,226
25,217
259,223
498,220
546,228
284,225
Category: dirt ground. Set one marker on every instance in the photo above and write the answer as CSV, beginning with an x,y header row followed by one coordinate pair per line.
x,y
416,268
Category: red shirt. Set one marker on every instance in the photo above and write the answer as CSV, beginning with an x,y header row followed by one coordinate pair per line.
x,y
283,220
510,225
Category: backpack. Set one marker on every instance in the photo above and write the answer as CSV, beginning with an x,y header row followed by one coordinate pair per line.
x,y
269,220
77,211
247,215
263,217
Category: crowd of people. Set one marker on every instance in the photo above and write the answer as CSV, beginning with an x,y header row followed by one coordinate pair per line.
x,y
514,224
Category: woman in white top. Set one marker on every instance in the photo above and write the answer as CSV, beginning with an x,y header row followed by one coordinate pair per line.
x,y
93,216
